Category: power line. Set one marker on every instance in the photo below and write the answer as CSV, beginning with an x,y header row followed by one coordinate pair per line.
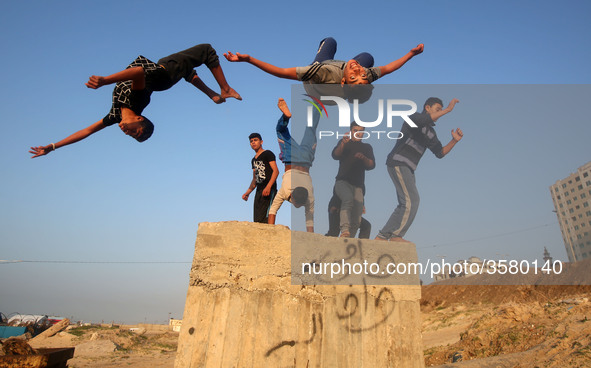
x,y
484,237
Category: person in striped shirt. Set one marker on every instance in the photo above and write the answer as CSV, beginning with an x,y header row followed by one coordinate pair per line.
x,y
402,162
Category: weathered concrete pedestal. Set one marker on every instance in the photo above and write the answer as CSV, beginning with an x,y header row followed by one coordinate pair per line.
x,y
243,311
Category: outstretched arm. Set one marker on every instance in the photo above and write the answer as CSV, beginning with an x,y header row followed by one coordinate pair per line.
x,y
397,64
437,114
135,74
78,136
287,73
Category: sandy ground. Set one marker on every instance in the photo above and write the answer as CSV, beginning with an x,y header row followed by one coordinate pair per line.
x,y
472,326
526,326
112,347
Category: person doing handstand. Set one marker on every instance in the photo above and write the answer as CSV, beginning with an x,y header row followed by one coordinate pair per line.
x,y
296,186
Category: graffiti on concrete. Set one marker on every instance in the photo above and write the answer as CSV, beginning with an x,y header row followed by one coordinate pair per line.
x,y
356,316
292,343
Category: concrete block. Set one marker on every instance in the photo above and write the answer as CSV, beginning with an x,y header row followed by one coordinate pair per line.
x,y
242,309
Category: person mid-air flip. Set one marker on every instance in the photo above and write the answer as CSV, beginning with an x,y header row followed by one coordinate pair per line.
x,y
135,84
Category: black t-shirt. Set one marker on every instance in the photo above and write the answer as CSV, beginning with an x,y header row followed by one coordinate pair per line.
x,y
263,170
159,77
124,96
352,169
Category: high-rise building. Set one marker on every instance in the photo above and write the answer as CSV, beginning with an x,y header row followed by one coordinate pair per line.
x,y
572,204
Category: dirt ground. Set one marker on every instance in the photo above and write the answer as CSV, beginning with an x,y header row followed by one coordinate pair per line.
x,y
523,325
100,347
507,326
471,326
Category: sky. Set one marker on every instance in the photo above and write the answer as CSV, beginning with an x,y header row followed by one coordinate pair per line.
x,y
107,225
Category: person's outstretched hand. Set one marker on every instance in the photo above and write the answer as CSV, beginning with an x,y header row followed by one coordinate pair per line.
x,y
236,57
40,150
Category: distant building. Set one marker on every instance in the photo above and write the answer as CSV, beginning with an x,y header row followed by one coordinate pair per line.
x,y
175,324
572,204
547,258
466,268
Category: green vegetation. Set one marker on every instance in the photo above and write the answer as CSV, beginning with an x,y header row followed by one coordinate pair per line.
x,y
79,331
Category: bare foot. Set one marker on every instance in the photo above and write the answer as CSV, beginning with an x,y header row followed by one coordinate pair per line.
x,y
283,107
345,234
378,238
218,99
230,93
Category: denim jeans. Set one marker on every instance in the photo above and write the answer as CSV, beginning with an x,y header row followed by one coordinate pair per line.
x,y
328,48
408,202
291,152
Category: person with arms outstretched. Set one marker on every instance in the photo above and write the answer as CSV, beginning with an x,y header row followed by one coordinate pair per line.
x,y
325,70
134,86
402,162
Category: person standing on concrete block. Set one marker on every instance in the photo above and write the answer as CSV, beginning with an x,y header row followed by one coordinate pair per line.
x,y
355,157
264,177
297,184
334,219
402,162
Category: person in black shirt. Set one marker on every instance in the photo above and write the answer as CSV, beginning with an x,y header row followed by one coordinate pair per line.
x,y
264,177
334,219
355,157
134,86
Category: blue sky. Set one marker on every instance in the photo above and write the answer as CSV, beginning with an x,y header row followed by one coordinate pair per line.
x,y
110,199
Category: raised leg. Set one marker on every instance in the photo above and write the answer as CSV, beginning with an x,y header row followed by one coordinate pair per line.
x,y
326,50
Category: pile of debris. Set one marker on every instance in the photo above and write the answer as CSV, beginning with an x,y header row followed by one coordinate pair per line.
x,y
17,351
19,324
